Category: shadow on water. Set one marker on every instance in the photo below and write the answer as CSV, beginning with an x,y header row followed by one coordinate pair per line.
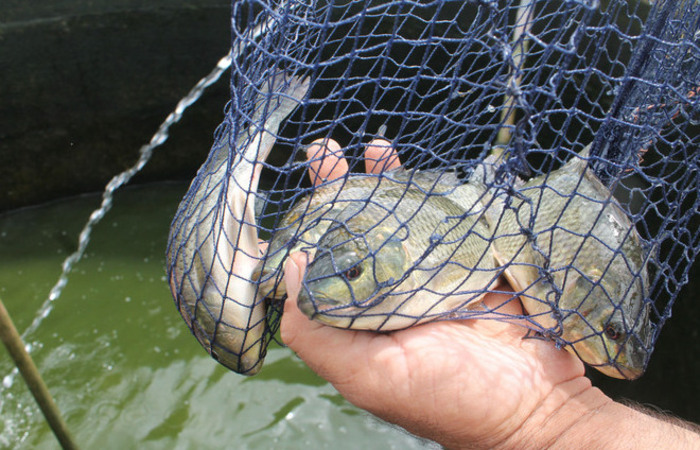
x,y
121,364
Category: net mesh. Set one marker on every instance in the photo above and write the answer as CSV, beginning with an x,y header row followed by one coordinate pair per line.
x,y
551,145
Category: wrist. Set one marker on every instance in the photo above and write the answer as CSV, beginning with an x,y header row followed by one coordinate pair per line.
x,y
561,416
578,415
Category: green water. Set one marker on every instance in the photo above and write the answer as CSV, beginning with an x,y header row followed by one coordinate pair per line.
x,y
119,360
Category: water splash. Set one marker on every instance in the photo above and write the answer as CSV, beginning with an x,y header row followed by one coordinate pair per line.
x,y
145,153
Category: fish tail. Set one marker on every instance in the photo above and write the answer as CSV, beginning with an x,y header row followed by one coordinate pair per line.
x,y
278,98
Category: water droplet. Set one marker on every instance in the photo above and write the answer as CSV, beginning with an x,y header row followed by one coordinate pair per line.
x,y
7,381
117,181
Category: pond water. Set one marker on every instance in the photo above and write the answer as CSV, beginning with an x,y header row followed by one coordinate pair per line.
x,y
120,362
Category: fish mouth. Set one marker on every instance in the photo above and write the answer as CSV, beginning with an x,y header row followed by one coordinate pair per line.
x,y
634,361
637,358
621,371
313,304
628,365
306,306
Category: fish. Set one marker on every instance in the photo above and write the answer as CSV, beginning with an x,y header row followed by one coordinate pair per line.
x,y
578,264
388,251
299,230
213,242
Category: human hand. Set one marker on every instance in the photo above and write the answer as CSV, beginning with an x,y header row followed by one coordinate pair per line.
x,y
327,163
469,383
454,382
439,379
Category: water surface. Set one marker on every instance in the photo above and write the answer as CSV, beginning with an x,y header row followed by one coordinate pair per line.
x,y
119,360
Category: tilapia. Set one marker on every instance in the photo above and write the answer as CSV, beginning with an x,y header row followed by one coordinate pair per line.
x,y
388,251
579,265
213,244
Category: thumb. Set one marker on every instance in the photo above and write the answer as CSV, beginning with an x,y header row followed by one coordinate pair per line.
x,y
294,269
293,320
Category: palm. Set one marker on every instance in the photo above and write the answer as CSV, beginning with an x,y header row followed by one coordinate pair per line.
x,y
478,372
474,381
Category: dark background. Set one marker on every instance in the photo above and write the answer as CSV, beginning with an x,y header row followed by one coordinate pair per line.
x,y
85,84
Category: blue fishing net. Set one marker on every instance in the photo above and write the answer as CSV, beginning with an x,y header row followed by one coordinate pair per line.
x,y
549,147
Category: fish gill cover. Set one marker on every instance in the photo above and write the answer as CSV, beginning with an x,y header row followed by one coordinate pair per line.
x,y
546,146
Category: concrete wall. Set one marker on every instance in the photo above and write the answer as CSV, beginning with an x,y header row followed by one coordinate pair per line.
x,y
85,84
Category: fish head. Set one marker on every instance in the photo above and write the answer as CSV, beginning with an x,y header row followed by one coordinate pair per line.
x,y
298,232
610,328
351,272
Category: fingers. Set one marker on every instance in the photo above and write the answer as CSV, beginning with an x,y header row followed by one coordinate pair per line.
x,y
326,161
294,324
500,317
298,332
380,155
334,354
294,273
502,300
293,321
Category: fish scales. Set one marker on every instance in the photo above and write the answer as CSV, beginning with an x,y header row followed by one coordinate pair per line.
x,y
213,246
433,246
411,233
585,269
304,224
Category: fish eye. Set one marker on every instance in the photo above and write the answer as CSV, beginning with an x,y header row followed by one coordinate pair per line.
x,y
613,331
352,273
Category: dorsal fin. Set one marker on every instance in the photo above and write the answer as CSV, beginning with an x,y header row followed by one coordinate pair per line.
x,y
579,163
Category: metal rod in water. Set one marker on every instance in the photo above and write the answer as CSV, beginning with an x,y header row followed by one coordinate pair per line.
x,y
13,342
